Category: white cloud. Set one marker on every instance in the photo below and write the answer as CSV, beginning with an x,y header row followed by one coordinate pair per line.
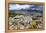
x,y
18,7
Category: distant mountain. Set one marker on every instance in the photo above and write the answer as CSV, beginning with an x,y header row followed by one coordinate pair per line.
x,y
26,9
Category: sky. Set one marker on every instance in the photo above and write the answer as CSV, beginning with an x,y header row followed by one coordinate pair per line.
x,y
19,7
29,7
25,6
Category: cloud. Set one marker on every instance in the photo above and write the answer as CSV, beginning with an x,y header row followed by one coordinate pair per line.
x,y
40,7
19,7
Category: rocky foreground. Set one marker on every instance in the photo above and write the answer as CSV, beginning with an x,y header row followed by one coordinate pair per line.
x,y
24,22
